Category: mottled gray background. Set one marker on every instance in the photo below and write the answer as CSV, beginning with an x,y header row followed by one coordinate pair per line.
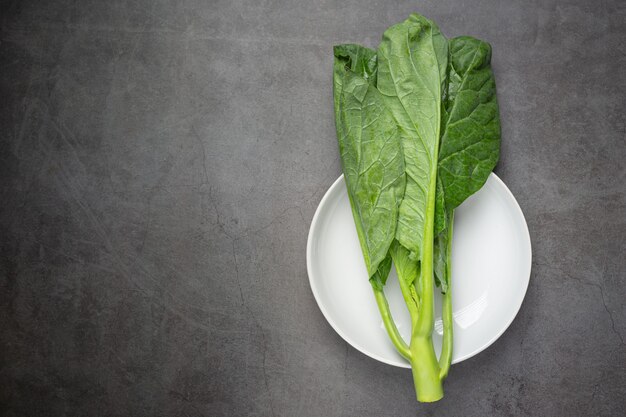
x,y
160,163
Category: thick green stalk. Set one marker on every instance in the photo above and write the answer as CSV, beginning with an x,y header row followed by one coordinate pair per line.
x,y
426,370
446,349
392,330
427,282
428,385
422,356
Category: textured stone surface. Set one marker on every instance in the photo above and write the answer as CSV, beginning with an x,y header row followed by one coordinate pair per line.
x,y
160,163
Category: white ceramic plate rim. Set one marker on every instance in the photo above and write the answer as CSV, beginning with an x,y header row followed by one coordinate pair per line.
x,y
362,349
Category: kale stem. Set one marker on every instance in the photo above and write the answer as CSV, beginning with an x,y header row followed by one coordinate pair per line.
x,y
392,330
446,349
428,385
426,283
426,370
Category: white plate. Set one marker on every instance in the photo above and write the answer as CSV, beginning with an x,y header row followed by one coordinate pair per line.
x,y
491,259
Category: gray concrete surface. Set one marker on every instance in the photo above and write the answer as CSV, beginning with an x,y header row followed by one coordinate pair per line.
x,y
160,163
